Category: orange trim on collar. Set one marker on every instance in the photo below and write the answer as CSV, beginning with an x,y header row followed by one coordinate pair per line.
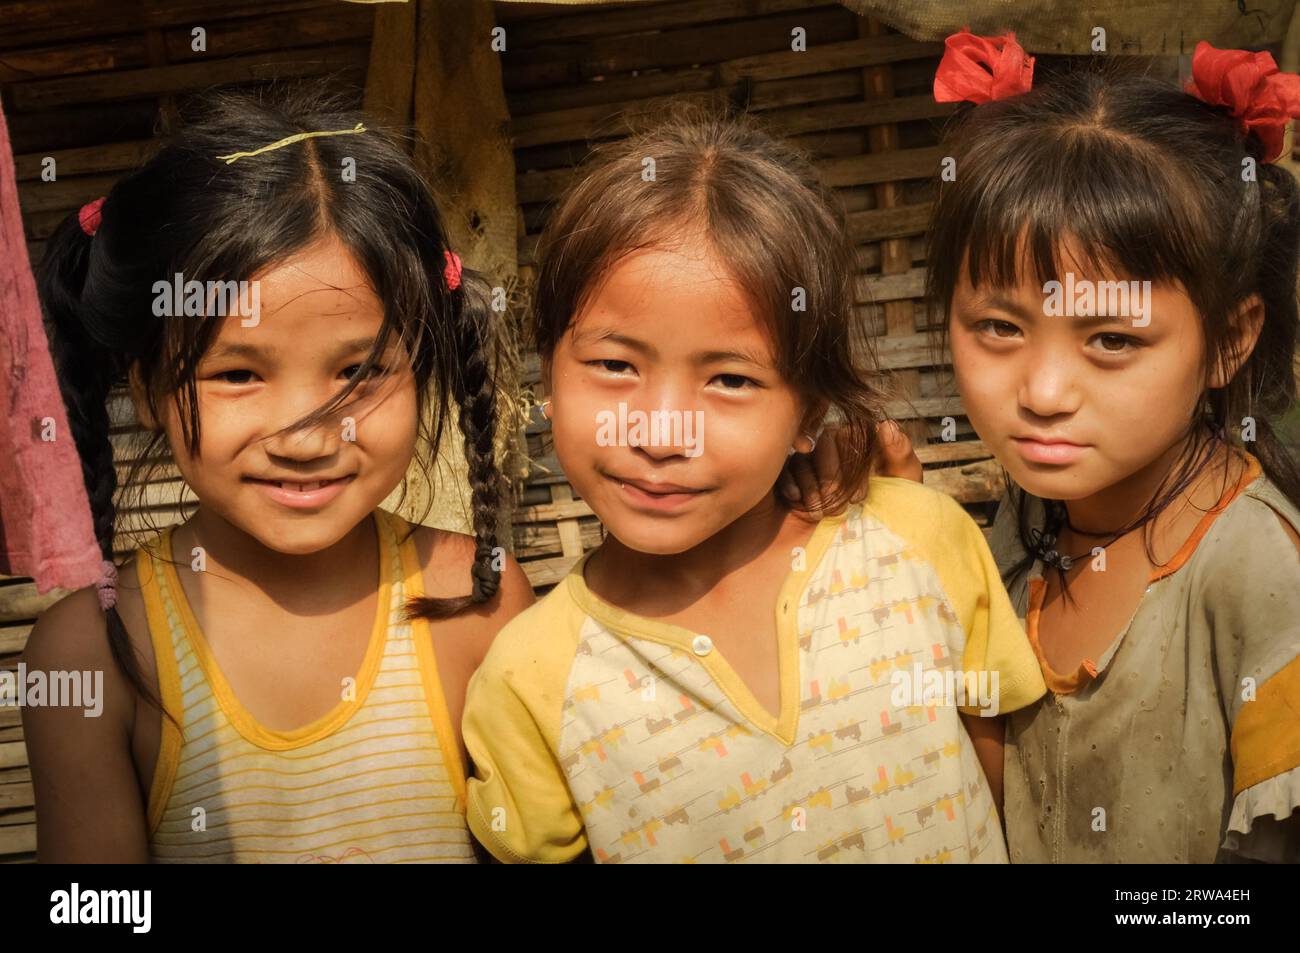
x,y
1253,470
1056,682
1087,670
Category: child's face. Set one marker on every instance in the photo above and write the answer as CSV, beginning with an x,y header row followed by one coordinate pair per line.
x,y
318,319
669,333
1117,390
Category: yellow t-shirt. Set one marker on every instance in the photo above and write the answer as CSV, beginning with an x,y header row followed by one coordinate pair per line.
x,y
591,727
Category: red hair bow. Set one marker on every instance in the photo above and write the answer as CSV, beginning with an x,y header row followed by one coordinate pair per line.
x,y
452,272
980,68
90,216
1262,98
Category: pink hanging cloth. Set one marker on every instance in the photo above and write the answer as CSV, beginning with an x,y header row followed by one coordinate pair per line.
x,y
46,530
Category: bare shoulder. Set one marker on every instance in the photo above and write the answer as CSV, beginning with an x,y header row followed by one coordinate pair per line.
x,y
446,559
72,636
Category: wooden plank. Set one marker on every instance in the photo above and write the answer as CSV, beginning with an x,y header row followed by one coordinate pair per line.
x,y
13,754
187,77
86,160
894,287
642,17
21,602
543,540
953,452
854,115
547,572
974,483
561,63
851,54
343,23
124,52
29,22
605,120
898,222
915,407
13,638
20,839
608,91
882,167
559,510
69,127
16,795
63,194
919,163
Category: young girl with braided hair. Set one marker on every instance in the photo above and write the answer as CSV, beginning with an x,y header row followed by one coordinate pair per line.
x,y
285,670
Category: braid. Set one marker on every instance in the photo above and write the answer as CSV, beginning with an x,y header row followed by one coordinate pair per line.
x,y
476,395
86,370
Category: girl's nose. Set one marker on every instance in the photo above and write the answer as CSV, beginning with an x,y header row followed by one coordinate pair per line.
x,y
1048,385
669,424
321,439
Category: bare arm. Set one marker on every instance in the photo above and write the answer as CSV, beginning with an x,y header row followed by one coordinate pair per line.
x,y
986,734
89,808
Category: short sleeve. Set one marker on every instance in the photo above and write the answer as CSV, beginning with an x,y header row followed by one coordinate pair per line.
x,y
992,643
995,640
519,805
1251,596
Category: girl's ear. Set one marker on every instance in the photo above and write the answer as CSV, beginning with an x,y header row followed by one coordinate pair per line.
x,y
1244,325
139,400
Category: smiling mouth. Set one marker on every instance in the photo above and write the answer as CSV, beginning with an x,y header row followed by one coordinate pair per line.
x,y
306,487
658,489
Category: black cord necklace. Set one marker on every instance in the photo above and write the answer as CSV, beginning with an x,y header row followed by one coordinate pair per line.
x,y
1043,542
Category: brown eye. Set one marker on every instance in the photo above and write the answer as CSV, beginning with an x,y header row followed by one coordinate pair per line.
x,y
1117,343
996,328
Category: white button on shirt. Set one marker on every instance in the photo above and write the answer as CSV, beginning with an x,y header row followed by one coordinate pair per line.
x,y
702,645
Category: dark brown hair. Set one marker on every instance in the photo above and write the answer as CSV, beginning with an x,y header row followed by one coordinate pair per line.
x,y
1148,181
757,203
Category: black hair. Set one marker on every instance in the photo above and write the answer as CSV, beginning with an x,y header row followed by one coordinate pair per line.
x,y
190,212
1149,181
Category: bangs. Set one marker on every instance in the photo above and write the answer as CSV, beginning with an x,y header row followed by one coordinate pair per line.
x,y
1086,174
1081,200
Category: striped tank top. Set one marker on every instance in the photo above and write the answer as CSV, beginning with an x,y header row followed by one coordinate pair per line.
x,y
376,780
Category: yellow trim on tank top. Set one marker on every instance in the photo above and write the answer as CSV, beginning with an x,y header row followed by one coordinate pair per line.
x,y
169,687
427,659
242,720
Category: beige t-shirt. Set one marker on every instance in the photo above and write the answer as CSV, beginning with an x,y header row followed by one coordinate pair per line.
x,y
594,728
1181,743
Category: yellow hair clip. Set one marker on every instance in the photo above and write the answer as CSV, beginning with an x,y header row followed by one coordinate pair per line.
x,y
359,127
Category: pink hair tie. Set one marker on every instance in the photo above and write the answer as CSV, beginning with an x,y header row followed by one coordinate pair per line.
x,y
90,216
107,585
452,271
